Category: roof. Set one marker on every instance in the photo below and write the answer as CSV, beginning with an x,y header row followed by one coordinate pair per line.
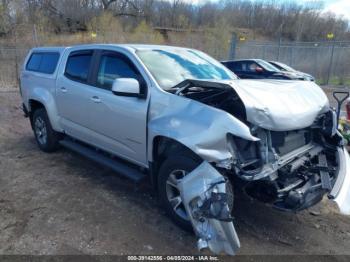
x,y
241,60
126,46
49,49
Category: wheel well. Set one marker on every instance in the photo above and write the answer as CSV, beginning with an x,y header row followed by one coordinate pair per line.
x,y
33,106
164,147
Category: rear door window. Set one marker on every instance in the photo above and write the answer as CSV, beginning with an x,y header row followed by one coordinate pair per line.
x,y
43,62
78,66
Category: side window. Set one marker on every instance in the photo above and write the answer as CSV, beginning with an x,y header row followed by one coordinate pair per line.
x,y
43,62
48,63
78,65
236,67
249,66
34,62
113,67
252,67
245,66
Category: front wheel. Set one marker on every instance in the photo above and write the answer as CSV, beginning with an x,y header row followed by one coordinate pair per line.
x,y
171,171
46,138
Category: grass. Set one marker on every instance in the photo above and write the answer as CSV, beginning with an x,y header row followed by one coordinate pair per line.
x,y
334,81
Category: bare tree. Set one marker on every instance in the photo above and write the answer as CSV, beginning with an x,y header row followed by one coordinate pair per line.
x,y
268,18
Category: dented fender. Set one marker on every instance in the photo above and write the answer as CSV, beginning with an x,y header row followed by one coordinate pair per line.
x,y
200,127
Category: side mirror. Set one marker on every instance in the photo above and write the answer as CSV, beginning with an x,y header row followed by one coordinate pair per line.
x,y
126,87
259,70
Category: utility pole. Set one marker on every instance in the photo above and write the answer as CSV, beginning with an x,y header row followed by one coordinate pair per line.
x,y
330,36
279,48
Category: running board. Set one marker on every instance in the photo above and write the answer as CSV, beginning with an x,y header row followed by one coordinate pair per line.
x,y
117,166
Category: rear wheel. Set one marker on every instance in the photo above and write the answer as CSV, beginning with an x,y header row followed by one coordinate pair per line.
x,y
46,138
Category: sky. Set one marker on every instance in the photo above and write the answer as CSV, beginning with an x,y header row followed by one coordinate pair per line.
x,y
339,7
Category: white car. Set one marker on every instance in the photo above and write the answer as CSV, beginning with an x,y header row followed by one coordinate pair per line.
x,y
287,69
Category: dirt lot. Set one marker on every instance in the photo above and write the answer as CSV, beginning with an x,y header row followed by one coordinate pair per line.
x,y
60,203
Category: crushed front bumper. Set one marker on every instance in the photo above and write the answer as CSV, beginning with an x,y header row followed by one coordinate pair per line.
x,y
203,192
341,189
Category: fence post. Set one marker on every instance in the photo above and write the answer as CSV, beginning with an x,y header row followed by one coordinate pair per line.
x,y
279,48
35,35
16,60
293,46
233,46
330,63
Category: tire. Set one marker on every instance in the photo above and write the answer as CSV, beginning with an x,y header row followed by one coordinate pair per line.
x,y
46,138
187,162
175,165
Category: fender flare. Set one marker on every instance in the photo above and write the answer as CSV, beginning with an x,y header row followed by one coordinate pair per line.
x,y
45,97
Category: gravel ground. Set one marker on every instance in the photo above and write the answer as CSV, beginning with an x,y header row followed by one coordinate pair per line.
x,y
61,203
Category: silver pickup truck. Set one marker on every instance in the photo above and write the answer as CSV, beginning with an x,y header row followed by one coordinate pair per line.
x,y
198,132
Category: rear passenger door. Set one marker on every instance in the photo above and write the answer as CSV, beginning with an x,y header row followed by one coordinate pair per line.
x,y
73,93
119,122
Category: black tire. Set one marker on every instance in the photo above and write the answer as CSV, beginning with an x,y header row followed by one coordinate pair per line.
x,y
185,162
46,138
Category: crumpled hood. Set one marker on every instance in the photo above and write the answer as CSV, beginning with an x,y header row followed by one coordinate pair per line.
x,y
281,105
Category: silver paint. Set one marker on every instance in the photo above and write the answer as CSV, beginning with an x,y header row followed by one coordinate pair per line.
x,y
281,105
219,236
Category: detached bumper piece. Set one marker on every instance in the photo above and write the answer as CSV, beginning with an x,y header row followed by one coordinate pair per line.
x,y
341,190
203,192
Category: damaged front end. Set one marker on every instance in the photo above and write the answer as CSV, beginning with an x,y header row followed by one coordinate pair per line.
x,y
292,170
288,165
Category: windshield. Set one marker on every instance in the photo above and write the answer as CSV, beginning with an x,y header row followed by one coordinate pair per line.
x,y
284,66
172,66
268,66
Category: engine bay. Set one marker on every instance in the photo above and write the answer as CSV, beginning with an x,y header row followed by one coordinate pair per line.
x,y
291,170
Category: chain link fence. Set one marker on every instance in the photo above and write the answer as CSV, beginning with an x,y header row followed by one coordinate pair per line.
x,y
12,54
11,59
328,62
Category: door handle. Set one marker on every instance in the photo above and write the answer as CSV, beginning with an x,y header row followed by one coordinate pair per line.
x,y
96,99
63,89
